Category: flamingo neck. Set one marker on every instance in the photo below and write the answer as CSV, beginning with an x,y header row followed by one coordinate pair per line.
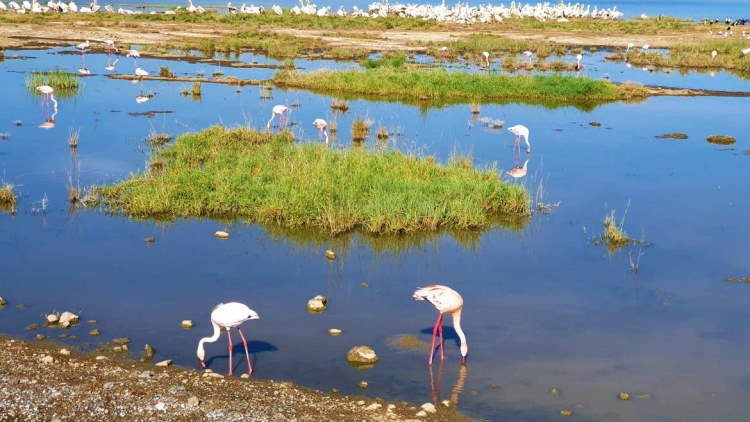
x,y
213,338
460,332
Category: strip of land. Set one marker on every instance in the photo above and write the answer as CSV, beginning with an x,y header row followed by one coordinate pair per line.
x,y
39,383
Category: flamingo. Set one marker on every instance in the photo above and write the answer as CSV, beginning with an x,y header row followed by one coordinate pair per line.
x,y
713,54
140,72
630,45
82,47
321,125
445,300
228,316
518,171
135,55
579,57
278,110
49,95
519,131
486,56
528,55
645,47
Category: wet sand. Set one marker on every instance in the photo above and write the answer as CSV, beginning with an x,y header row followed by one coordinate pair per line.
x,y
39,383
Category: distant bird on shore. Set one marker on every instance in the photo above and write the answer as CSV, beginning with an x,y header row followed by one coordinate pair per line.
x,y
630,45
278,110
746,51
645,47
228,316
486,56
579,57
519,131
713,54
445,300
321,125
528,55
140,72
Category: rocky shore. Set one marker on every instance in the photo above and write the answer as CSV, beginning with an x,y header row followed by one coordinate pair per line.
x,y
43,381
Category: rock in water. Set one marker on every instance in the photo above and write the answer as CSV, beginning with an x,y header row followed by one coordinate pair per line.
x,y
334,332
53,318
67,319
330,254
95,332
186,324
121,340
317,304
363,384
164,363
623,396
148,352
361,355
3,302
222,234
721,139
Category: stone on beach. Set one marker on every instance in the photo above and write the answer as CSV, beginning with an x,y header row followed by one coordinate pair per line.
x,y
428,407
148,352
164,363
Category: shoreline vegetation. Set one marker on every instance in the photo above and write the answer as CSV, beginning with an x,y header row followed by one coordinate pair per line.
x,y
107,382
443,85
267,178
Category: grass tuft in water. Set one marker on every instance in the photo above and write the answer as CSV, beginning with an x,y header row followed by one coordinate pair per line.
x,y
614,235
158,139
8,199
360,129
166,72
73,137
65,84
396,61
196,89
266,178
382,133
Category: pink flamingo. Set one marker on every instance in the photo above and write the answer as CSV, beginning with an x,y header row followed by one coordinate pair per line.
x,y
445,300
109,46
228,316
486,56
49,95
82,47
519,131
321,125
278,110
135,55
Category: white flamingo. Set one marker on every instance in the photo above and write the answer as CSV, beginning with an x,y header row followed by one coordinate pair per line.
x,y
228,316
321,125
277,110
445,300
521,131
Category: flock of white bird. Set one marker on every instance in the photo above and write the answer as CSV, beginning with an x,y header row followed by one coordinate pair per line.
x,y
461,13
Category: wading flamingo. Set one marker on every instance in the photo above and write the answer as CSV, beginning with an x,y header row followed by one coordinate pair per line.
x,y
579,57
445,300
135,55
278,110
321,125
519,131
486,56
228,316
82,47
49,95
645,47
518,171
630,45
528,55
713,54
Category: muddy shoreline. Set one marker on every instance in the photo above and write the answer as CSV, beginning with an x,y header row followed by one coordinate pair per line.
x,y
40,381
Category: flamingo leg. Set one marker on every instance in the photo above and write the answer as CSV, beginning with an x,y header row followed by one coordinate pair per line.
x,y
434,334
440,330
247,353
229,337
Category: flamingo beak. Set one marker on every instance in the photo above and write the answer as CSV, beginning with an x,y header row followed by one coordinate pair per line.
x,y
464,360
203,364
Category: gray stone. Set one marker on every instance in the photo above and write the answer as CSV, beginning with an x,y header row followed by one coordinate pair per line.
x,y
67,319
361,355
317,304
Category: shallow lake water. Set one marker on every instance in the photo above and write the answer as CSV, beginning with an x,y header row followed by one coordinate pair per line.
x,y
545,306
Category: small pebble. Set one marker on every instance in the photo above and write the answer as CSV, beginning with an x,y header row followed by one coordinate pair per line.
x,y
109,385
95,332
493,386
363,384
475,393
73,337
645,396
63,335
149,240
222,234
100,357
374,406
421,414
363,284
596,124
428,407
360,403
53,318
623,396
193,401
176,389
566,413
47,359
330,254
245,375
121,340
146,374
160,406
334,331
186,324
554,391
92,321
65,352
40,337
164,363
335,390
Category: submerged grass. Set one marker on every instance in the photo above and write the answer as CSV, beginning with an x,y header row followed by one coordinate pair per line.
x,y
614,236
442,85
266,178
8,199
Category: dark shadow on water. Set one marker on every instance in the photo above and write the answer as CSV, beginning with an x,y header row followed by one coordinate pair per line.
x,y
448,334
238,354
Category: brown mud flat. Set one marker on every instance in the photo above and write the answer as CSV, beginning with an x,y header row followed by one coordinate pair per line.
x,y
181,58
17,35
41,384
227,81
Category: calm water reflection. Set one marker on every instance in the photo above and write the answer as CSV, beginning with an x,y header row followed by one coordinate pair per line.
x,y
544,307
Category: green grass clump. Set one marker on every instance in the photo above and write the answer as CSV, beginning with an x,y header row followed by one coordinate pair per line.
x,y
65,84
614,235
8,199
165,72
360,129
196,89
395,61
442,85
268,179
697,55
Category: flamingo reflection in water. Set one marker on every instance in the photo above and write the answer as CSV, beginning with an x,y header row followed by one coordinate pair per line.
x,y
48,96
436,387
